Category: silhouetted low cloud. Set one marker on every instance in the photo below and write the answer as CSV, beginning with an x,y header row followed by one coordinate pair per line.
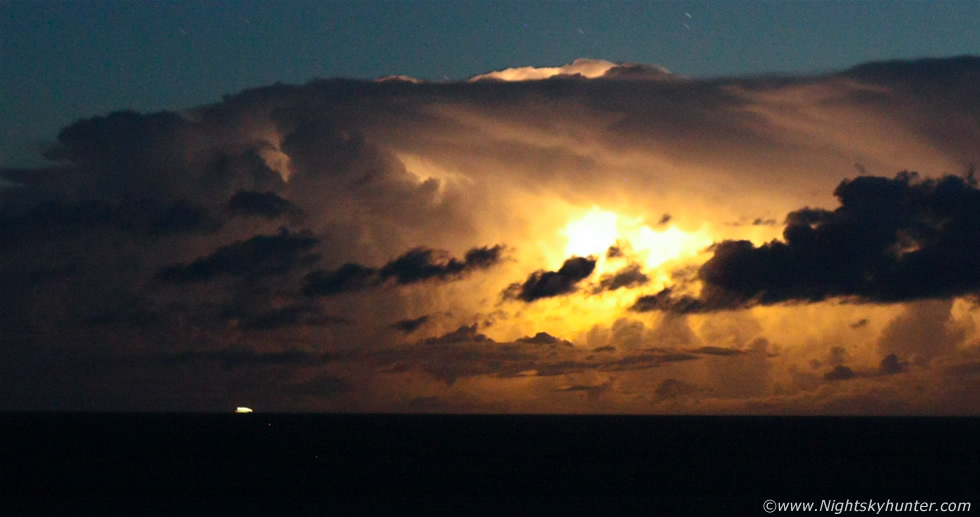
x,y
289,316
423,264
630,276
416,265
263,204
232,357
25,226
840,373
322,386
544,338
891,240
261,255
348,278
546,284
409,325
890,365
666,301
465,333
673,388
717,350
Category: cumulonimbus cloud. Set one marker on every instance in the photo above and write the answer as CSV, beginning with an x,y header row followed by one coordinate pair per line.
x,y
274,219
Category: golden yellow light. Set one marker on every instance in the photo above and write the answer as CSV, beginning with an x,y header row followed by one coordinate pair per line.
x,y
670,244
598,229
592,234
658,249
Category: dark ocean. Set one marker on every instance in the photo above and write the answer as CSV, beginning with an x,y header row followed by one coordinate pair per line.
x,y
276,464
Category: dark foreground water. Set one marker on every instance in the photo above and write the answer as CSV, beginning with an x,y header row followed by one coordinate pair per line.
x,y
283,463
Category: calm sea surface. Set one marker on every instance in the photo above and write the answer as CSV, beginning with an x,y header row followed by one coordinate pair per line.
x,y
264,461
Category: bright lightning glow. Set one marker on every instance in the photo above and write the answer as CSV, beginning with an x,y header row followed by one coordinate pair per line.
x,y
592,234
670,244
595,232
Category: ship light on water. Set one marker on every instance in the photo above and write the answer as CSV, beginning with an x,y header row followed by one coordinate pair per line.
x,y
243,409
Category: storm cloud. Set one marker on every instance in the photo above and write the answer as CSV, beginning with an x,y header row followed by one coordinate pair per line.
x,y
356,221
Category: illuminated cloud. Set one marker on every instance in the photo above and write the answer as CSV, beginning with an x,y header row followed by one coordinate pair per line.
x,y
586,68
924,330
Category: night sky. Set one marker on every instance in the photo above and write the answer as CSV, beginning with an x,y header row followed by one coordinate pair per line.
x,y
63,60
527,207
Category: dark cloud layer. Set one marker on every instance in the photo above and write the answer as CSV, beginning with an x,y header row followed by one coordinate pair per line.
x,y
891,240
665,300
547,284
238,356
261,255
544,338
890,365
153,156
263,204
840,373
416,265
673,388
629,276
291,316
464,334
422,264
409,325
23,226
347,278
717,350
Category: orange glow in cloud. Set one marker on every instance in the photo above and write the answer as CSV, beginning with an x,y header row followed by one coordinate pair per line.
x,y
324,230
657,249
590,68
595,232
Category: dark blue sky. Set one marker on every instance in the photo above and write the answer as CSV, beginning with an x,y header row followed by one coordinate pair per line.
x,y
63,60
